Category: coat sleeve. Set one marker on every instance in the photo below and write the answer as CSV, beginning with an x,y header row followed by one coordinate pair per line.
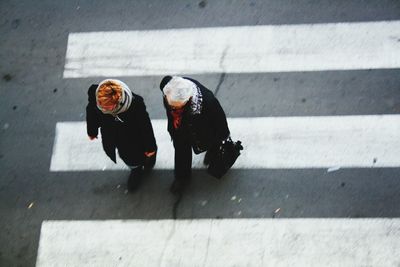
x,y
92,120
218,119
215,113
146,127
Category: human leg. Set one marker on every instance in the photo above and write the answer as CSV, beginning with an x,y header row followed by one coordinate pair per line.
x,y
183,166
135,163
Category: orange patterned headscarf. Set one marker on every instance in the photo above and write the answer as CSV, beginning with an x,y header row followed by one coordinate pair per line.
x,y
113,96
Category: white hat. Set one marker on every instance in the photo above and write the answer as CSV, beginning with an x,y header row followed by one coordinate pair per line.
x,y
179,89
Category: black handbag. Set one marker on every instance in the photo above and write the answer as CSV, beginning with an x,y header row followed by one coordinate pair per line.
x,y
224,157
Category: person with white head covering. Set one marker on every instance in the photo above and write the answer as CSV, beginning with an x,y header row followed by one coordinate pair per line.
x,y
196,121
124,124
179,90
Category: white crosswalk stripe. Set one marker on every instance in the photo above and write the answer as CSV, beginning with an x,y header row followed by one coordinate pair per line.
x,y
306,47
228,242
270,143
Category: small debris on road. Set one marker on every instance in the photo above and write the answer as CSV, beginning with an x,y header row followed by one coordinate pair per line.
x,y
202,4
7,77
333,169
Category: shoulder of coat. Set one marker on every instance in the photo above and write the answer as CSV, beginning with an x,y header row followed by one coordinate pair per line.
x,y
137,97
92,88
208,95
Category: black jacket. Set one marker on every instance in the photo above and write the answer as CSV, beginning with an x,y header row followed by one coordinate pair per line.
x,y
199,132
205,129
132,137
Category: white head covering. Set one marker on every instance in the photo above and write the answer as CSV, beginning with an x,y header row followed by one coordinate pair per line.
x,y
179,89
124,102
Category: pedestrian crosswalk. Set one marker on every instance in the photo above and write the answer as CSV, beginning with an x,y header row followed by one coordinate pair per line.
x,y
331,142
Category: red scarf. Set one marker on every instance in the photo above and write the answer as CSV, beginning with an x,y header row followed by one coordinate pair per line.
x,y
177,116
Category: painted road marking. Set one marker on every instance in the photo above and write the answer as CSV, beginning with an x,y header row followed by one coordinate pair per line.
x,y
227,242
243,49
269,143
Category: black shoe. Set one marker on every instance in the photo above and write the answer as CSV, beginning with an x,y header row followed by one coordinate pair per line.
x,y
177,187
135,179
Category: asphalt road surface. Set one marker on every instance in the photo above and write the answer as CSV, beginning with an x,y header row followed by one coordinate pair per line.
x,y
37,93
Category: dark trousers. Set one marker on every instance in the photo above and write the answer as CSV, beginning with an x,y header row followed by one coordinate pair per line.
x,y
139,161
183,156
130,160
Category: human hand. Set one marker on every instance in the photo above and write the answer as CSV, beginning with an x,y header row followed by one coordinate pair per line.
x,y
149,154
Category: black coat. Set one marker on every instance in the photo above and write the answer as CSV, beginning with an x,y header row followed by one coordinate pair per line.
x,y
132,137
200,132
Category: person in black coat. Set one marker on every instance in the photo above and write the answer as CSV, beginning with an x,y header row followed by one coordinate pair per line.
x,y
196,121
124,124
